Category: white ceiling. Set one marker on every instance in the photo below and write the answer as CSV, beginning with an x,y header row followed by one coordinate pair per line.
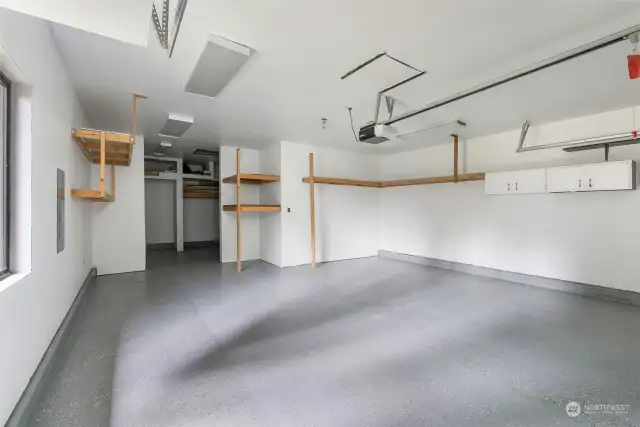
x,y
303,47
124,20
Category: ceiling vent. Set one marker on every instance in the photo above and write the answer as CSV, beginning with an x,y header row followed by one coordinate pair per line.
x,y
205,152
219,62
176,126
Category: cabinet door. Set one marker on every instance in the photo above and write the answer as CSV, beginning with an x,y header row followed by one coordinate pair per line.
x,y
498,183
565,179
530,181
609,176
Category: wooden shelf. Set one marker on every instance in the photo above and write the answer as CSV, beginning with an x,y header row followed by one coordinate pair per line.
x,y
118,146
106,148
252,178
196,177
433,180
252,208
199,196
343,181
396,183
93,195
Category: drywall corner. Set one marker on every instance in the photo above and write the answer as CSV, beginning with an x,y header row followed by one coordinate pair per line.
x,y
270,194
119,244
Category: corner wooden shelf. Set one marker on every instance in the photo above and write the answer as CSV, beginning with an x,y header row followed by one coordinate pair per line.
x,y
312,180
106,148
246,178
251,178
252,208
118,146
94,195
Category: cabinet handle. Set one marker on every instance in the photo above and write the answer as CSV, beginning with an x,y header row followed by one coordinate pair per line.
x,y
590,186
579,183
509,186
516,186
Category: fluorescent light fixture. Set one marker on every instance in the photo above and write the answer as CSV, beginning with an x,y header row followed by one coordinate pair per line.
x,y
176,126
220,61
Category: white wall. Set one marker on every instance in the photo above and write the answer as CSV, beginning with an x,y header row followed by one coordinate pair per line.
x,y
270,223
160,211
587,237
119,227
346,217
249,194
32,308
201,219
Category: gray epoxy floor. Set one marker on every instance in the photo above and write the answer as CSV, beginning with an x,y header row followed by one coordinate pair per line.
x,y
369,342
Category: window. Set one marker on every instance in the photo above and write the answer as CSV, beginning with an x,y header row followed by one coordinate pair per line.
x,y
5,124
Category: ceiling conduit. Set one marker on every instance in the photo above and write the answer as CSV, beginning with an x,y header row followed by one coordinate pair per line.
x,y
592,143
555,60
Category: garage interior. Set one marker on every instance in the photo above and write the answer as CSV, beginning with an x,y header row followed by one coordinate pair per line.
x,y
319,213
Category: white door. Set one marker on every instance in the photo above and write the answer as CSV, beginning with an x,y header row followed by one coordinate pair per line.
x,y
565,179
530,181
609,176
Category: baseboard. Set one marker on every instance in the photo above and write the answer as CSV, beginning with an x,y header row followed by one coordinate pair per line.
x,y
160,246
594,291
28,405
187,245
203,244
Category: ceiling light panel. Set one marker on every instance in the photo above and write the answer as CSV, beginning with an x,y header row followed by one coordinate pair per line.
x,y
220,61
176,126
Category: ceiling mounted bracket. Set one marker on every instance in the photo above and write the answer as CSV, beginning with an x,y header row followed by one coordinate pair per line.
x,y
582,144
391,102
161,30
523,134
634,39
162,25
419,73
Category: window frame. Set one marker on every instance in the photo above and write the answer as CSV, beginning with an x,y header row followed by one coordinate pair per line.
x,y
5,201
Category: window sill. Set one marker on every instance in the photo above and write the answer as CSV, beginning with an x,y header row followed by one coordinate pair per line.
x,y
10,280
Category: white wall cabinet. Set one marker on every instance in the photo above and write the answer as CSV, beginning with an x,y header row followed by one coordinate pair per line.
x,y
607,176
516,182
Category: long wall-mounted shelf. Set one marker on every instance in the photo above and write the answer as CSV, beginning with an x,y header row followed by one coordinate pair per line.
x,y
396,183
343,181
251,178
463,177
252,208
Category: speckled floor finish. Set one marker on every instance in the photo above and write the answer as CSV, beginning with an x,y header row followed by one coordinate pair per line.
x,y
369,342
